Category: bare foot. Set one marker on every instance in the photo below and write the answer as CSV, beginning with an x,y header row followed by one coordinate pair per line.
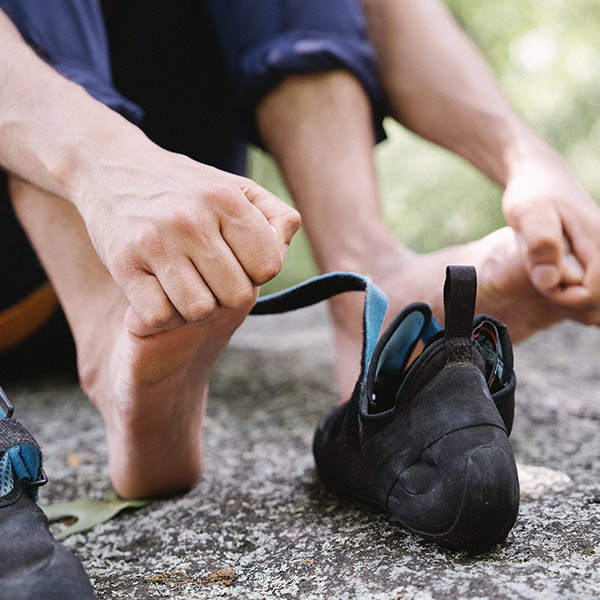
x,y
504,292
151,392
150,389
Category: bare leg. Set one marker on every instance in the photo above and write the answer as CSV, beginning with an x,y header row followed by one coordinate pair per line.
x,y
151,391
318,127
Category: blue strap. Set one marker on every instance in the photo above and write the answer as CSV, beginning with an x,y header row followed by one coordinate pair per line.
x,y
325,286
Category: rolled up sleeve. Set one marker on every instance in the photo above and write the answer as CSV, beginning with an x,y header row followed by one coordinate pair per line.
x,y
70,35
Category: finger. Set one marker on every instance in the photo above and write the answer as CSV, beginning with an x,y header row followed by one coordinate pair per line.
x,y
542,240
573,271
187,291
152,310
573,296
225,276
284,219
587,249
253,242
136,326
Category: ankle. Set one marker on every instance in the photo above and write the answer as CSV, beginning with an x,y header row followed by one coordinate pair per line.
x,y
370,254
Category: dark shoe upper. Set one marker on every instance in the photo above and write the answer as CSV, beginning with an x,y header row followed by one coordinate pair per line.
x,y
33,565
429,441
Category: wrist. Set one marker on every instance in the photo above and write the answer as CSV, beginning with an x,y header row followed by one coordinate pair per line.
x,y
99,154
525,152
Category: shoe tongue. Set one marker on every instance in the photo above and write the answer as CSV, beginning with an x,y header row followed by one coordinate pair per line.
x,y
400,345
397,345
460,292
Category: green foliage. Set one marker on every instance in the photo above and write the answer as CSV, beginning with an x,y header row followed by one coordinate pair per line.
x,y
546,56
86,513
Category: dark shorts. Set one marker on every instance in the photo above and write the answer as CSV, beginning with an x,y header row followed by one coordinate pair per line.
x,y
189,73
263,41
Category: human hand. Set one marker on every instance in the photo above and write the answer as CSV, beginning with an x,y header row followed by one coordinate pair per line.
x,y
558,227
184,240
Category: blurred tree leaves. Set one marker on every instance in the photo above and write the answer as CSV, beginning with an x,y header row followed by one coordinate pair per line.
x,y
547,58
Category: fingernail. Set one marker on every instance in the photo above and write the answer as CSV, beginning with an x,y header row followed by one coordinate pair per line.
x,y
573,268
545,276
284,250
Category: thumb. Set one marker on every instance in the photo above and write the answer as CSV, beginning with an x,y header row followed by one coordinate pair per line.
x,y
542,244
284,219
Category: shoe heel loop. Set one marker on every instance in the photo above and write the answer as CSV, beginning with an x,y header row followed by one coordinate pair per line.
x,y
460,293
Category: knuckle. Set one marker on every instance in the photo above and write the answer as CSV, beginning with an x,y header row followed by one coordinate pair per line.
x,y
186,220
294,219
242,297
200,310
150,240
159,315
123,266
226,194
269,268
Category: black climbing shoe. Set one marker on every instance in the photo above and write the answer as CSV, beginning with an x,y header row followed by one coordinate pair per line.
x,y
33,565
429,441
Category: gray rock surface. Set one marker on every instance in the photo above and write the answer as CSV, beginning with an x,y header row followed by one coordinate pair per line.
x,y
260,515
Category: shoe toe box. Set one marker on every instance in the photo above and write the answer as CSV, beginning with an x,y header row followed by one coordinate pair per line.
x,y
32,563
462,492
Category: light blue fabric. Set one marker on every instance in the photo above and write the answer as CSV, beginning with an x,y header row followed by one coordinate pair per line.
x,y
415,326
7,482
395,354
376,303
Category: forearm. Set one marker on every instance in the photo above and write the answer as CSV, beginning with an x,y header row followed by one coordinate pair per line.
x,y
52,132
439,86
